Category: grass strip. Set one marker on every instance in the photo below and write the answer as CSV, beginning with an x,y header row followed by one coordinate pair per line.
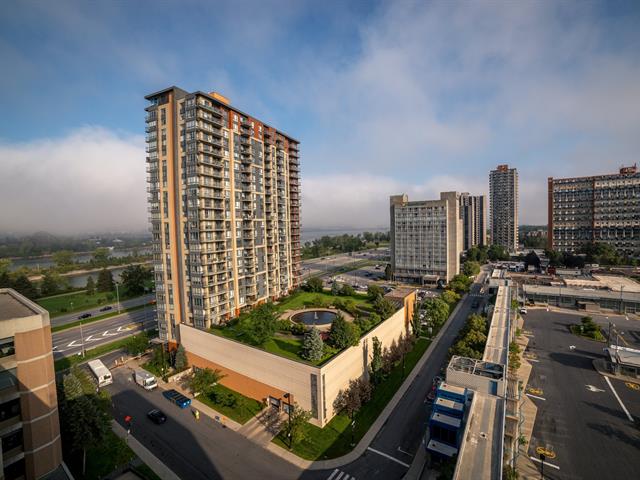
x,y
231,404
66,326
334,440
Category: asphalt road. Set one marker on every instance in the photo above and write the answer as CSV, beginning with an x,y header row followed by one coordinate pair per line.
x,y
401,436
194,450
72,317
69,342
580,418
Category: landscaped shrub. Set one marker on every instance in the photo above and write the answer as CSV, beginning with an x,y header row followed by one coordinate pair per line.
x,y
298,329
284,325
343,334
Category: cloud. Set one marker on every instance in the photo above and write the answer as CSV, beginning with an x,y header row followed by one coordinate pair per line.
x,y
93,179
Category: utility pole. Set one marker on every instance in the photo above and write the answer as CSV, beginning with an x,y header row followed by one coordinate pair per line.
x,y
82,340
117,297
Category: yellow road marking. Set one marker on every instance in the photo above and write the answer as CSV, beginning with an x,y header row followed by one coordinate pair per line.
x,y
549,454
632,386
535,391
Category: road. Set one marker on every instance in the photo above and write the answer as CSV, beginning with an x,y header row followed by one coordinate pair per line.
x,y
579,417
69,342
401,436
194,450
72,317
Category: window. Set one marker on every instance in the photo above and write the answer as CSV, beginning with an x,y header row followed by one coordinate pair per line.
x,y
7,347
9,409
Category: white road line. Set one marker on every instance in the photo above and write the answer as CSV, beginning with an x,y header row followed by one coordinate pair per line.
x,y
389,457
546,463
618,398
531,360
340,476
535,396
333,474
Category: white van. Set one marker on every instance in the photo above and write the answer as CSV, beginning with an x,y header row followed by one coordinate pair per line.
x,y
145,379
102,373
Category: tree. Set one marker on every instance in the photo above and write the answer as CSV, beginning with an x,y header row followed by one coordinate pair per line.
x,y
471,268
497,252
347,290
532,259
134,278
105,281
416,323
203,380
374,291
315,285
101,255
295,429
91,286
335,288
86,424
260,324
312,345
477,254
63,258
24,286
160,359
460,283
5,263
181,362
50,284
383,307
343,334
450,298
376,361
388,272
436,311
138,344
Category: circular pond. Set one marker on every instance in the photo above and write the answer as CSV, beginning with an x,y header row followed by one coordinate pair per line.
x,y
314,317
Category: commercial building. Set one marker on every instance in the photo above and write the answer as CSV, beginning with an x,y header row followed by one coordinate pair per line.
x,y
29,425
504,205
473,212
582,298
224,203
426,238
601,208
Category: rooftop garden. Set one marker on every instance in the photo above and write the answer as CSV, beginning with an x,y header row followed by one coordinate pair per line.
x,y
263,328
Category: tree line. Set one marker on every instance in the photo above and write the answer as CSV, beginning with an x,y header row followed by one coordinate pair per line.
x,y
329,245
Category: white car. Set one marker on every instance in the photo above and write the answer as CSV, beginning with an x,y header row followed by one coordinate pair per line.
x,y
523,311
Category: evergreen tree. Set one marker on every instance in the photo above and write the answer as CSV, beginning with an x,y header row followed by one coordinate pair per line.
x,y
105,281
343,334
335,288
24,286
50,284
134,278
312,346
91,286
181,362
376,361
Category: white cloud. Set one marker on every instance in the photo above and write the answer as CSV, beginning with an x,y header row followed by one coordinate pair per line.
x,y
90,180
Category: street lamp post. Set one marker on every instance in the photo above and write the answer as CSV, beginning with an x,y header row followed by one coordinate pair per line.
x,y
621,304
288,397
117,297
82,340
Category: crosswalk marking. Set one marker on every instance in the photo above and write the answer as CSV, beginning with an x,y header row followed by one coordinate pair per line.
x,y
341,475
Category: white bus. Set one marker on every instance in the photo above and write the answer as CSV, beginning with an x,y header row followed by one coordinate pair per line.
x,y
102,373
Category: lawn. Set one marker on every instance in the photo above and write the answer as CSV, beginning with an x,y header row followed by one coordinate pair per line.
x,y
61,304
297,300
68,362
241,411
334,440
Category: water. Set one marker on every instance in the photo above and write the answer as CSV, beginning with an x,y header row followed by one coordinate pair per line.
x,y
314,317
46,262
80,281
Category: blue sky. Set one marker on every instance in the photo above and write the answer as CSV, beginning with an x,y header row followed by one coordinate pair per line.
x,y
385,97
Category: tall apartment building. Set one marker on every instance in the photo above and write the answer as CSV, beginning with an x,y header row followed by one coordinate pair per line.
x,y
29,425
601,208
224,200
473,213
426,238
503,199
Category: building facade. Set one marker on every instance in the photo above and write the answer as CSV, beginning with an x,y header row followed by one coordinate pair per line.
x,y
602,208
504,205
426,238
473,213
224,203
29,424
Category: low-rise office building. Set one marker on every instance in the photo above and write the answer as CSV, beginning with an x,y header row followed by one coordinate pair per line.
x,y
426,238
29,425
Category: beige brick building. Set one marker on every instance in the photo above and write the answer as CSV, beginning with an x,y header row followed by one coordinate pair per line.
x,y
224,209
29,425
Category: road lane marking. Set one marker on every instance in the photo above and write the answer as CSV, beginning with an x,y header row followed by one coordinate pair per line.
x,y
618,398
406,453
591,388
340,476
107,334
333,474
632,386
73,344
389,457
546,463
535,396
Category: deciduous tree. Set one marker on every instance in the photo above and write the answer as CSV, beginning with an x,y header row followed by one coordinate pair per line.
x,y
203,380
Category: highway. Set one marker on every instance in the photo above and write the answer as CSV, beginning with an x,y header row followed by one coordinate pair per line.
x,y
72,317
69,342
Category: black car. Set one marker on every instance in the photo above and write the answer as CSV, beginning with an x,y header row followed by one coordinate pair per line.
x,y
156,416
84,315
108,307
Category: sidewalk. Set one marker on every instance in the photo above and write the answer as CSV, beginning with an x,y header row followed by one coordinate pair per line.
x,y
144,454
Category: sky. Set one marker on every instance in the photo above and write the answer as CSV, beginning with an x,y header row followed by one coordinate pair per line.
x,y
385,98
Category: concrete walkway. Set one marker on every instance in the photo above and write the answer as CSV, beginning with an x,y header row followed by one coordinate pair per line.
x,y
144,454
264,426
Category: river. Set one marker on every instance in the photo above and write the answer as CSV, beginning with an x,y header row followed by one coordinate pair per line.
x,y
47,261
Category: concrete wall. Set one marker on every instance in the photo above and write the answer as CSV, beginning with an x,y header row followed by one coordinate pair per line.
x,y
259,374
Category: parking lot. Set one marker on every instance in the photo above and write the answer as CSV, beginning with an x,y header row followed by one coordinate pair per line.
x,y
586,425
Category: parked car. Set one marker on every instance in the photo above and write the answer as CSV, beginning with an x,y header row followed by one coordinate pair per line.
x,y
157,416
523,311
106,308
83,316
176,397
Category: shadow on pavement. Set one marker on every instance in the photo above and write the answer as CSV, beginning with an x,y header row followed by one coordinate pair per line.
x,y
170,441
611,432
572,359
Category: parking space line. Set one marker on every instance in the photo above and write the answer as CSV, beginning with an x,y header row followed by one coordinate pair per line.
x,y
545,463
389,457
535,396
618,398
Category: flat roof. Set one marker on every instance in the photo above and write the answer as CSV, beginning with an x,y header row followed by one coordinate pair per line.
x,y
581,293
445,402
441,448
481,450
496,349
625,355
447,387
13,305
446,419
